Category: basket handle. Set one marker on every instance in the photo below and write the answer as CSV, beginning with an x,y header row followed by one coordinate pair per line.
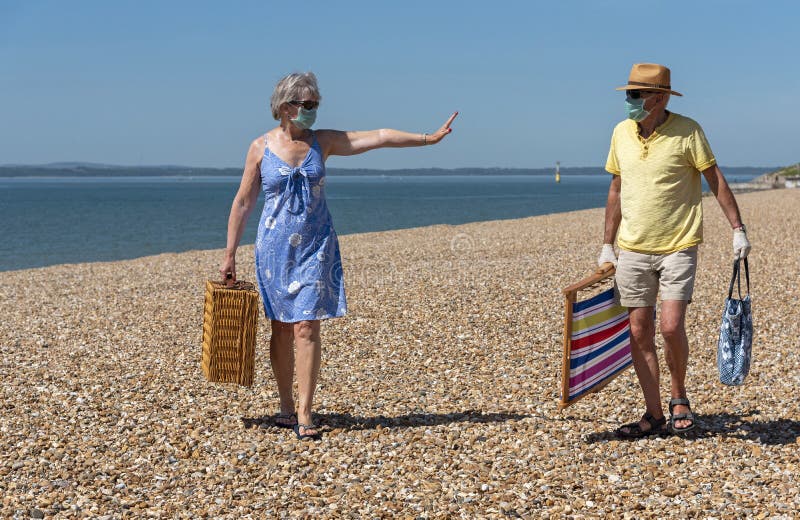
x,y
238,285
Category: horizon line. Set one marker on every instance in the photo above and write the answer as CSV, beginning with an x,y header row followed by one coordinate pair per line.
x,y
80,164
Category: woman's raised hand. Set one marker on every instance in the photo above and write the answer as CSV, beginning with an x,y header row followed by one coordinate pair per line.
x,y
441,132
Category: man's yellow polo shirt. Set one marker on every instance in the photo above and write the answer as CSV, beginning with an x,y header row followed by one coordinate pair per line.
x,y
661,187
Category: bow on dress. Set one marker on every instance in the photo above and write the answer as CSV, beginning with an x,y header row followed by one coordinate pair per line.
x,y
296,192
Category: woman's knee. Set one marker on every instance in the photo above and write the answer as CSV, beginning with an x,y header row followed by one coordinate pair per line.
x,y
306,330
283,332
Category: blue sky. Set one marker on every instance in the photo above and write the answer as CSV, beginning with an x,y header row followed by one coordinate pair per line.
x,y
178,82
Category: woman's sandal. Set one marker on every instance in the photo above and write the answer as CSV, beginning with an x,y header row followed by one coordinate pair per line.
x,y
688,416
286,420
317,435
635,431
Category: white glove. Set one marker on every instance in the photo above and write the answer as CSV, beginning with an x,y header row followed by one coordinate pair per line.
x,y
741,246
607,255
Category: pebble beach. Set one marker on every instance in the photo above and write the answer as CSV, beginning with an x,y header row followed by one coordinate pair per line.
x,y
438,394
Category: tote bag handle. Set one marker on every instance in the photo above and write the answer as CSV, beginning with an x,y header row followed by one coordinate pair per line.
x,y
737,278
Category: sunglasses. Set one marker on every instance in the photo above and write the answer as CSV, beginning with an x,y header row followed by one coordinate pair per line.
x,y
637,94
308,105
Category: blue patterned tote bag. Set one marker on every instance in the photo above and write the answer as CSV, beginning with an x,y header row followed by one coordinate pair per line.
x,y
736,333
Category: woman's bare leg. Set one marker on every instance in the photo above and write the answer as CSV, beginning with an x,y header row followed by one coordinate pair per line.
x,y
309,358
281,356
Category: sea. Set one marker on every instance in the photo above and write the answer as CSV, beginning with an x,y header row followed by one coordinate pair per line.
x,y
47,221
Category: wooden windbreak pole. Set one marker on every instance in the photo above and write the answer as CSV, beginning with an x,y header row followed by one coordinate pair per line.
x,y
571,296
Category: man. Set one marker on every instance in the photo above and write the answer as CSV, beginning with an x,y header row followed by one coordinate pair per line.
x,y
654,201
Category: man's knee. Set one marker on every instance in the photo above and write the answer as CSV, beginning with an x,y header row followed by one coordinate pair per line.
x,y
641,333
672,329
673,321
642,325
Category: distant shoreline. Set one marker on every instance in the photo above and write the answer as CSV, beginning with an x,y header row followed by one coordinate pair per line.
x,y
92,171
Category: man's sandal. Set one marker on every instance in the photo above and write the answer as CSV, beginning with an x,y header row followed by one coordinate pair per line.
x,y
635,431
688,416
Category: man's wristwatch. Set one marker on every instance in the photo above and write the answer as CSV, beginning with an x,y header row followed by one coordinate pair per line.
x,y
741,228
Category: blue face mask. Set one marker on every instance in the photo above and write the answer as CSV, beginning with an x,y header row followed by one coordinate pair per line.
x,y
305,118
635,109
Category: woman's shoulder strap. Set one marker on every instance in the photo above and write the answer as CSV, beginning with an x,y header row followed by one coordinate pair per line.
x,y
314,140
265,138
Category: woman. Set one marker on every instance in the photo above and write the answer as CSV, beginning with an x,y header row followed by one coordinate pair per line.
x,y
298,267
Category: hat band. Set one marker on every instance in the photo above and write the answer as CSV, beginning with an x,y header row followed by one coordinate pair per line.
x,y
651,85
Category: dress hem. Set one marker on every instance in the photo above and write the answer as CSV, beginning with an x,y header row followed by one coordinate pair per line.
x,y
306,319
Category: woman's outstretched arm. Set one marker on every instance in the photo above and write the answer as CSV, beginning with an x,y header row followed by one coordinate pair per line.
x,y
337,142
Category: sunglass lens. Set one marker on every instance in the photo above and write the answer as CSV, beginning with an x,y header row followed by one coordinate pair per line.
x,y
308,105
634,94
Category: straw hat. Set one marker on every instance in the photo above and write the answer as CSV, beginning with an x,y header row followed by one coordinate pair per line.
x,y
649,76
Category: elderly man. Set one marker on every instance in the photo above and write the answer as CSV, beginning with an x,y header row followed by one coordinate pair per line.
x,y
654,201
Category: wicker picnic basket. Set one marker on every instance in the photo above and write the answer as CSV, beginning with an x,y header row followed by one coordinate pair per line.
x,y
230,322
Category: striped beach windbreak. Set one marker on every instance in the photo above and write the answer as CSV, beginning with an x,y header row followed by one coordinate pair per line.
x,y
596,342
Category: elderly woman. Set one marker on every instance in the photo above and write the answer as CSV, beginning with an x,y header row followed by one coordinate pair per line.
x,y
298,267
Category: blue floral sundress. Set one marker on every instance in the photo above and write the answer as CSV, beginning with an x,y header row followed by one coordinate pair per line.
x,y
298,265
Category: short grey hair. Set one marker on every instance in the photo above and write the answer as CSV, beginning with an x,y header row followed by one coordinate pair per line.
x,y
296,85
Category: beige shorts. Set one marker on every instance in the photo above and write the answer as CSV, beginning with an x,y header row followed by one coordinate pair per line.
x,y
639,277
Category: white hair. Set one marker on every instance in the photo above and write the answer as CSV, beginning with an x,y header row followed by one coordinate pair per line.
x,y
296,85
